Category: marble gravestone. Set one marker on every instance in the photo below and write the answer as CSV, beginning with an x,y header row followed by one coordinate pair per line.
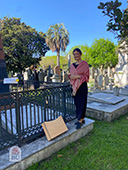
x,y
42,74
106,80
100,80
57,74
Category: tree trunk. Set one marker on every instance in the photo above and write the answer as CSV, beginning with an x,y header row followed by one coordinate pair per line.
x,y
58,58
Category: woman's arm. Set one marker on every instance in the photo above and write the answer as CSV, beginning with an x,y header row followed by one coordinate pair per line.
x,y
75,77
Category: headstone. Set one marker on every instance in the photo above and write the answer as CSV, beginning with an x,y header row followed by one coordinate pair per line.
x,y
95,81
57,71
106,80
49,71
47,77
25,75
57,74
3,73
100,80
42,74
10,74
116,91
30,76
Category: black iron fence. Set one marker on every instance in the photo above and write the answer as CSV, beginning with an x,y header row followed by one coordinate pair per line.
x,y
21,113
30,85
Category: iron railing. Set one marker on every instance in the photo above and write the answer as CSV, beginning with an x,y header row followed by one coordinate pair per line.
x,y
21,113
31,85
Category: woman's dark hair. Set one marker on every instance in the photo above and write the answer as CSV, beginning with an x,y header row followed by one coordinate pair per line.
x,y
77,49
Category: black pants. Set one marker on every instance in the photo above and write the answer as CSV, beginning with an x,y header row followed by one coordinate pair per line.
x,y
80,100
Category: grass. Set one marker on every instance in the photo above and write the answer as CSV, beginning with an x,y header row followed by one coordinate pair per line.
x,y
104,148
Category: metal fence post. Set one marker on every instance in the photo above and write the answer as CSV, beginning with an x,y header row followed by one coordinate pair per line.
x,y
64,102
18,120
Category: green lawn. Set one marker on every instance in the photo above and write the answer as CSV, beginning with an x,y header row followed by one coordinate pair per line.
x,y
104,148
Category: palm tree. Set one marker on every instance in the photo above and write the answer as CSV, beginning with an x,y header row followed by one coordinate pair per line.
x,y
57,38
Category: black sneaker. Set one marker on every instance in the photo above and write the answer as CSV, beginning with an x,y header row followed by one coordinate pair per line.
x,y
82,122
78,126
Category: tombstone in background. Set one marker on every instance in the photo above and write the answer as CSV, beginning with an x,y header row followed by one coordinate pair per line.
x,y
10,74
57,74
49,71
3,73
25,75
42,74
106,81
47,78
96,86
95,81
100,81
30,73
57,71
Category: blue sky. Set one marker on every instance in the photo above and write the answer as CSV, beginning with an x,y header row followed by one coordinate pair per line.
x,y
81,18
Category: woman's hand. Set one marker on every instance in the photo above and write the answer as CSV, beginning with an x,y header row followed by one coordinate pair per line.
x,y
75,77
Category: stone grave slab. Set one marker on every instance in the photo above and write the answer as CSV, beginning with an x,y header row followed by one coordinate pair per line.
x,y
29,117
106,98
106,111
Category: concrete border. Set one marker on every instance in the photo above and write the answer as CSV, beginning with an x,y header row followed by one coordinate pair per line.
x,y
40,149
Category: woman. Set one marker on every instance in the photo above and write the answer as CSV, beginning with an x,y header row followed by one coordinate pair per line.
x,y
79,76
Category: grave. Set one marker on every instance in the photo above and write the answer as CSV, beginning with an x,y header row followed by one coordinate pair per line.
x,y
106,107
33,115
106,98
47,78
41,148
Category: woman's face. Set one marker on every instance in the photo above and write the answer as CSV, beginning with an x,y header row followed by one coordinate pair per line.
x,y
77,55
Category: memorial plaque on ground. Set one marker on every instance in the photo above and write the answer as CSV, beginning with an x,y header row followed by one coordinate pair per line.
x,y
106,98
